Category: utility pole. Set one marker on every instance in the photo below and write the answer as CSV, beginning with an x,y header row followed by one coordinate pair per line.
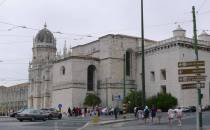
x,y
195,45
106,93
124,74
142,53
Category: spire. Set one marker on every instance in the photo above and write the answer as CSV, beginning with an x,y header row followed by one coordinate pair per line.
x,y
45,25
64,49
70,49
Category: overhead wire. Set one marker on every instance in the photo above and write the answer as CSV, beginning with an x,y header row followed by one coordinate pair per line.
x,y
2,2
202,4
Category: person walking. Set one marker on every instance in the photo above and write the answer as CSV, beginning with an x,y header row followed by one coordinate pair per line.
x,y
146,114
170,117
153,112
159,115
115,112
179,115
69,112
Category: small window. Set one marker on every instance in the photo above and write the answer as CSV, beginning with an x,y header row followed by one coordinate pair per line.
x,y
163,89
63,70
163,74
152,75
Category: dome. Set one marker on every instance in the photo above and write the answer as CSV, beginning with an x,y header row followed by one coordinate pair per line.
x,y
44,35
179,32
204,36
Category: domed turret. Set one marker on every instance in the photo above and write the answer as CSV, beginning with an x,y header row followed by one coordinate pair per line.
x,y
44,47
204,36
44,36
179,32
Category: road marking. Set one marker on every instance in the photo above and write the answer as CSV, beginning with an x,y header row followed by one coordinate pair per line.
x,y
83,126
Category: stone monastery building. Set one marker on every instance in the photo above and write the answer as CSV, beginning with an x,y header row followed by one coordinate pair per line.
x,y
98,67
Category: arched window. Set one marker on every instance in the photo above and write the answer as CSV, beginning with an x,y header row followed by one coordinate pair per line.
x,y
63,70
91,77
128,62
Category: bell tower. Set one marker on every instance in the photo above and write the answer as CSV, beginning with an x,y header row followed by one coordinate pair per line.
x,y
44,52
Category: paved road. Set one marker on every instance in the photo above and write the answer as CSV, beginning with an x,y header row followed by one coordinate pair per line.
x,y
63,124
189,123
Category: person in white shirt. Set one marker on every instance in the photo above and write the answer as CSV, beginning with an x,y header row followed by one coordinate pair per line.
x,y
179,115
170,116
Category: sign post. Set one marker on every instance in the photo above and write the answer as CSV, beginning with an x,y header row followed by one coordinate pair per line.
x,y
59,107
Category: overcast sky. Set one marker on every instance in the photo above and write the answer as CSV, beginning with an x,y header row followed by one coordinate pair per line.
x,y
79,18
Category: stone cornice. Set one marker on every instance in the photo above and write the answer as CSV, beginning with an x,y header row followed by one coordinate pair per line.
x,y
78,57
176,42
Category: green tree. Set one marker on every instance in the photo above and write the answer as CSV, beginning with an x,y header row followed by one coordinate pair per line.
x,y
133,99
163,101
92,100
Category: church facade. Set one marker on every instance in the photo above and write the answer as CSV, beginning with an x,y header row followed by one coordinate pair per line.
x,y
99,67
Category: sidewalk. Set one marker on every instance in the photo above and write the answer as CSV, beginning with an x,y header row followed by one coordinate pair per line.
x,y
107,120
6,118
104,120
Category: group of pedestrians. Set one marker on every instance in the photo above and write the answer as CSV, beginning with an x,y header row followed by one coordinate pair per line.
x,y
146,114
76,111
171,115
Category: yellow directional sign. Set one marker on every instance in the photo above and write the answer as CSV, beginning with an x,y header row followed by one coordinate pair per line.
x,y
192,71
192,85
192,78
191,64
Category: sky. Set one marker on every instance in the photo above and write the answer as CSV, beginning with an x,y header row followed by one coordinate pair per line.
x,y
77,20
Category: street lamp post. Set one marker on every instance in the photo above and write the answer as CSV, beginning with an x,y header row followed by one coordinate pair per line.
x,y
142,53
124,75
199,103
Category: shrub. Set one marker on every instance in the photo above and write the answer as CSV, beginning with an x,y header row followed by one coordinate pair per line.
x,y
92,100
133,99
163,101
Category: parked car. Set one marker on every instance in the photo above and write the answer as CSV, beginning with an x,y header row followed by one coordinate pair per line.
x,y
52,113
192,108
186,109
14,114
206,108
31,114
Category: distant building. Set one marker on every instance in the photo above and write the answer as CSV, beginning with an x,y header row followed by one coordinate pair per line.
x,y
13,98
97,67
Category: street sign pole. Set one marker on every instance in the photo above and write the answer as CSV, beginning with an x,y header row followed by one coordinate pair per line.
x,y
199,111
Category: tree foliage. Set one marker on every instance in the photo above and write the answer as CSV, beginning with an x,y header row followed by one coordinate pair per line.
x,y
133,99
92,100
163,101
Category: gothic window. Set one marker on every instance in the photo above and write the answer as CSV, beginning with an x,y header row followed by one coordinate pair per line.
x,y
91,77
63,70
128,61
163,89
163,74
152,75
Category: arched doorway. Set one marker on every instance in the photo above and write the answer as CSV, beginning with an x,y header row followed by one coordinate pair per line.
x,y
91,77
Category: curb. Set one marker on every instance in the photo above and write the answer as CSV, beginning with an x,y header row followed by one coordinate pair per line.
x,y
111,122
105,123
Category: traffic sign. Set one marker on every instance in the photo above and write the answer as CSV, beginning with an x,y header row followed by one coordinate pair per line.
x,y
191,64
59,105
192,71
118,98
192,85
192,78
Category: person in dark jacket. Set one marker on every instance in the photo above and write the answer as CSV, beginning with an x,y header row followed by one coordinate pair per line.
x,y
153,112
115,112
69,112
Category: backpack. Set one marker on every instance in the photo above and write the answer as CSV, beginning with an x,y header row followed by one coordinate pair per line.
x,y
146,112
